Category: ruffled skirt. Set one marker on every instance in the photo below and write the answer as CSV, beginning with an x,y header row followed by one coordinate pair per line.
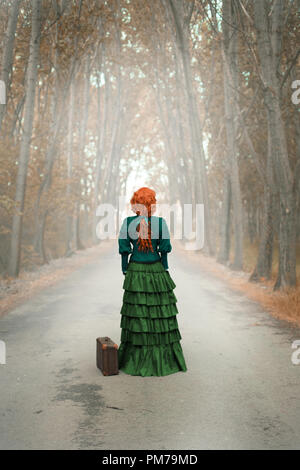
x,y
150,337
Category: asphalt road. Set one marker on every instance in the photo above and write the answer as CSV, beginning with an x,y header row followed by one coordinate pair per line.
x,y
241,390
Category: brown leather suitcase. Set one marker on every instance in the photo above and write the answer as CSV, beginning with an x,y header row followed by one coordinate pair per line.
x,y
107,356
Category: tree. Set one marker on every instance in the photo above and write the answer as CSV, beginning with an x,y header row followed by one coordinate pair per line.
x,y
8,50
232,191
269,30
15,249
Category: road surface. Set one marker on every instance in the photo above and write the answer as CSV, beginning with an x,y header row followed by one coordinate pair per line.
x,y
241,390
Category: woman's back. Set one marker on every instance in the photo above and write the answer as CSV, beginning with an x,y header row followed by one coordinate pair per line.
x,y
160,240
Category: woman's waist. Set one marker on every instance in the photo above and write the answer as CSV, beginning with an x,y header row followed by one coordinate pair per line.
x,y
145,257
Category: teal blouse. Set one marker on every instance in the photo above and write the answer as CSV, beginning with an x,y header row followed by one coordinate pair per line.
x,y
160,240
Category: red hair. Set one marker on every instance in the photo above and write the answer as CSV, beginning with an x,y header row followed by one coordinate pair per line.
x,y
141,203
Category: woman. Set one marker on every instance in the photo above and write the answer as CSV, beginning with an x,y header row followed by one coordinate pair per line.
x,y
150,336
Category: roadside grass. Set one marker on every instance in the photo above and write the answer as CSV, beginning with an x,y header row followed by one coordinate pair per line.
x,y
283,304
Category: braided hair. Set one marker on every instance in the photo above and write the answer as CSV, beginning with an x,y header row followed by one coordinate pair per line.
x,y
141,203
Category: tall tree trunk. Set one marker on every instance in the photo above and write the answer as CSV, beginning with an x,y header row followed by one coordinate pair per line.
x,y
79,244
101,130
85,231
265,253
70,168
269,52
106,131
113,157
16,236
8,50
230,75
223,254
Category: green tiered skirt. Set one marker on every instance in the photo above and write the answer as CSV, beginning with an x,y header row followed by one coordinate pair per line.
x,y
150,338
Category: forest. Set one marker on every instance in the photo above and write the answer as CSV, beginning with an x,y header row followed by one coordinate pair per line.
x,y
197,98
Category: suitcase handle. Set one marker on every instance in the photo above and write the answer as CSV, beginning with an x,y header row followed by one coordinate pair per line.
x,y
104,346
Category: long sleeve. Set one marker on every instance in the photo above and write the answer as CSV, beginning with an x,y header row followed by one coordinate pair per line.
x,y
165,246
124,262
124,245
164,260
